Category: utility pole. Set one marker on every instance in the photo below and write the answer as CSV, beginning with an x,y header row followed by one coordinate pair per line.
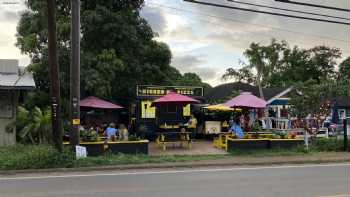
x,y
54,75
75,74
345,134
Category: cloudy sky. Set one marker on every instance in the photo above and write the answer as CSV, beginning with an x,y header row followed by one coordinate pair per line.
x,y
208,40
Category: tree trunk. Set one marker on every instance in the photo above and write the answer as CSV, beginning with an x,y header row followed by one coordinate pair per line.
x,y
258,81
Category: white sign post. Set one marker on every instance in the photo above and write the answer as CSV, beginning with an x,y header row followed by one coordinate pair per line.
x,y
80,152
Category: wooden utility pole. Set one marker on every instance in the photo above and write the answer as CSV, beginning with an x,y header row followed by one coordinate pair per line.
x,y
345,134
54,75
75,74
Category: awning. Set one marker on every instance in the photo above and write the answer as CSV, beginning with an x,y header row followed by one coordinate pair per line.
x,y
220,107
246,99
94,102
174,98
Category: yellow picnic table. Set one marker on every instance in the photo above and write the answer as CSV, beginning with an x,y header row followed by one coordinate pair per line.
x,y
165,138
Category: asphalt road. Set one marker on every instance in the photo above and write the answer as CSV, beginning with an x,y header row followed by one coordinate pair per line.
x,y
329,180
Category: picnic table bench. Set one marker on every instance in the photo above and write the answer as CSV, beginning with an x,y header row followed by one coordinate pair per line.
x,y
165,138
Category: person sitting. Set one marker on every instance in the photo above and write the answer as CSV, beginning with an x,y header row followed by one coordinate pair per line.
x,y
237,130
111,132
123,132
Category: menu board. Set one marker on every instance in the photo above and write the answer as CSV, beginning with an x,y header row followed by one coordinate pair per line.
x,y
147,111
6,105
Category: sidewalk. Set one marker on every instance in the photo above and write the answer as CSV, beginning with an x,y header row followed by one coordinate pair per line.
x,y
230,161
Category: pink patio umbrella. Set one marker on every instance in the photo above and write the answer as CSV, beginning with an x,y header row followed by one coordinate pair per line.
x,y
94,102
246,99
174,98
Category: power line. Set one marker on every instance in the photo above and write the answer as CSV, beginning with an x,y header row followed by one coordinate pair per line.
x,y
314,5
265,12
252,24
249,23
289,10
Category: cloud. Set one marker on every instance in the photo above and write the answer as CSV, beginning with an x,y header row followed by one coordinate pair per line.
x,y
9,16
155,18
191,63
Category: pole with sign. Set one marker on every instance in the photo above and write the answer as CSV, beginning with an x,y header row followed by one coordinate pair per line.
x,y
75,74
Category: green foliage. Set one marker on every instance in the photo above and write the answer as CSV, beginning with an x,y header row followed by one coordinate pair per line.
x,y
89,135
315,95
34,157
34,126
117,47
327,145
192,79
344,69
279,65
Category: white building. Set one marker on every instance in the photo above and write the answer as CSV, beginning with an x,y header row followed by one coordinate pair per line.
x,y
12,81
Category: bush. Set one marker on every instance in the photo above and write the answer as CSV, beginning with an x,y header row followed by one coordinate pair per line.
x,y
34,157
330,144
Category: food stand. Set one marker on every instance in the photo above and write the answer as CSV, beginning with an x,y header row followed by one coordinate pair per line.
x,y
218,126
170,121
95,143
143,114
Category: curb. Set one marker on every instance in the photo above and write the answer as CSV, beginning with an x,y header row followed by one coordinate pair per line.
x,y
173,165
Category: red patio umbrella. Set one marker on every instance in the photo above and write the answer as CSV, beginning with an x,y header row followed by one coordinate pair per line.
x,y
94,102
246,99
174,98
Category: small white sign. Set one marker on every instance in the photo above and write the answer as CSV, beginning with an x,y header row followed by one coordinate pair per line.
x,y
80,152
348,129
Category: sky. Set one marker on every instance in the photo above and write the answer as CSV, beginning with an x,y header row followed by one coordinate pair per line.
x,y
208,40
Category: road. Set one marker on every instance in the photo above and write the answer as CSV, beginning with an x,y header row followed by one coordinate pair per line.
x,y
328,180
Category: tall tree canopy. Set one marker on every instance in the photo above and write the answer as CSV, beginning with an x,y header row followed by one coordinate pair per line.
x,y
344,69
277,64
118,50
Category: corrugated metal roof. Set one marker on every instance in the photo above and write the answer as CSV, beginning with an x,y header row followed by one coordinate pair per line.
x,y
26,80
9,66
8,79
13,81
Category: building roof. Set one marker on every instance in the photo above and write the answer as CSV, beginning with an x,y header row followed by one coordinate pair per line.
x,y
10,78
225,90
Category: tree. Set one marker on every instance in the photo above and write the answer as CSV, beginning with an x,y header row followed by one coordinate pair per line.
x,y
118,50
243,74
192,79
34,126
278,65
344,69
313,96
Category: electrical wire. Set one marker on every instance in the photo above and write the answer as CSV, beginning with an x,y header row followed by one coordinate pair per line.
x,y
252,24
265,12
289,10
249,23
314,5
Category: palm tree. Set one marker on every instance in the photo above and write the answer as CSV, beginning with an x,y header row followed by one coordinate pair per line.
x,y
255,55
34,127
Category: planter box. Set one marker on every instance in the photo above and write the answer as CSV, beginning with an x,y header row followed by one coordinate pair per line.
x,y
125,147
130,147
246,144
285,143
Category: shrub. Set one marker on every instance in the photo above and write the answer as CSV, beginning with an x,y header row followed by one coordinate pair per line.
x,y
324,144
34,157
